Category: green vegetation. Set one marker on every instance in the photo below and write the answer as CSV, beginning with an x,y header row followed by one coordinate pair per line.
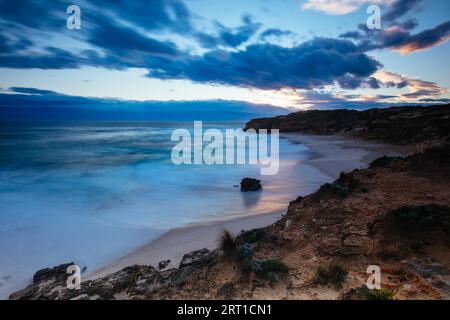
x,y
268,269
336,188
422,218
227,290
380,294
276,266
364,190
246,252
364,293
254,235
333,274
384,161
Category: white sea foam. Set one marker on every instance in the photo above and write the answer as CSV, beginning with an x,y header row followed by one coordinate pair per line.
x,y
92,193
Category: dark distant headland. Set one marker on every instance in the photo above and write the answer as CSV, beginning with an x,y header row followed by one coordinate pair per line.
x,y
397,125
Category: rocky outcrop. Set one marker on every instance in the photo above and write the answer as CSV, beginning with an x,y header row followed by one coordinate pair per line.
x,y
163,264
399,125
57,273
250,184
134,282
198,257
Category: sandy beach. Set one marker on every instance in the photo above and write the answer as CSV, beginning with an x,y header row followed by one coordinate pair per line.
x,y
329,154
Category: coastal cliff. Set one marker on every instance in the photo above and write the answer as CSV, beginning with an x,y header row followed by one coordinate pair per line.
x,y
399,125
395,214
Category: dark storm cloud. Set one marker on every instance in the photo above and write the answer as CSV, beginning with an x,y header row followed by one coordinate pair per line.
x,y
113,44
124,40
150,15
229,37
51,14
401,8
32,91
318,62
53,58
274,32
124,34
398,37
34,14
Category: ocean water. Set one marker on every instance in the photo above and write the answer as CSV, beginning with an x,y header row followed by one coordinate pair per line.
x,y
92,192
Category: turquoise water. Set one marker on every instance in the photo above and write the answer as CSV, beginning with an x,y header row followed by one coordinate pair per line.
x,y
90,193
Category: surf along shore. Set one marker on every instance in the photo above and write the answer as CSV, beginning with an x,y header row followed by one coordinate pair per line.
x,y
329,154
393,213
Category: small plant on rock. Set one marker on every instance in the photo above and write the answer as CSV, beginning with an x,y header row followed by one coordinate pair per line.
x,y
381,294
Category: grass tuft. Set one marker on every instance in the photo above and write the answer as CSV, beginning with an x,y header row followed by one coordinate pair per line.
x,y
227,243
333,274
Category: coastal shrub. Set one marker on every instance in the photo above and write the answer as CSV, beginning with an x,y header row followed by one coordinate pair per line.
x,y
259,266
247,266
226,290
336,188
227,243
246,252
276,266
268,269
384,161
332,274
364,190
381,294
364,293
254,235
348,180
418,246
422,218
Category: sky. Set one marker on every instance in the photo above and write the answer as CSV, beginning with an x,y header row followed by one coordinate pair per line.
x,y
290,53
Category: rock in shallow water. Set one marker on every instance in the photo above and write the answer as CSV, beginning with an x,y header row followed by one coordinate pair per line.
x,y
250,184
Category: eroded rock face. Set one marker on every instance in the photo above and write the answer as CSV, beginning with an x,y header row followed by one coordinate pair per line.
x,y
134,282
434,273
58,272
45,282
163,264
198,257
131,281
250,184
408,125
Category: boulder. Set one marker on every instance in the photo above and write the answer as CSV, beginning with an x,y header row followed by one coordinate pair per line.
x,y
163,264
58,272
198,257
250,184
